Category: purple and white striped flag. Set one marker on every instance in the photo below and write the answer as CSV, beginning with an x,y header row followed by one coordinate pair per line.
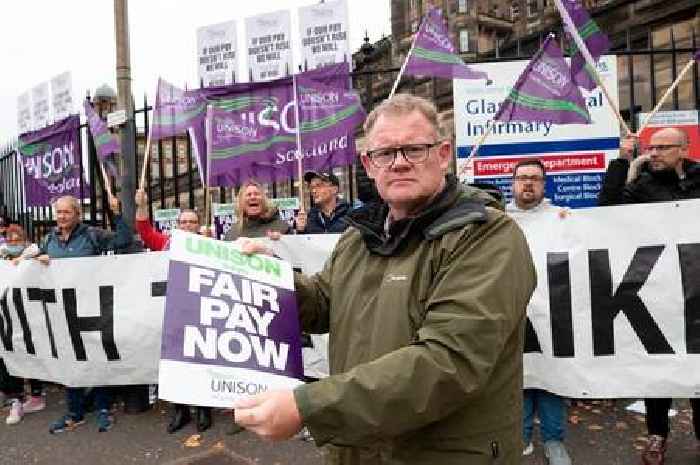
x,y
545,92
594,39
433,53
107,144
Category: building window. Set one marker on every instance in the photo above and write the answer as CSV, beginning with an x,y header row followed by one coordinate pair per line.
x,y
415,13
514,10
531,8
463,41
462,6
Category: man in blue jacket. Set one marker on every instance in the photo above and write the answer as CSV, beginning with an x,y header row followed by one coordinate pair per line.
x,y
70,239
329,211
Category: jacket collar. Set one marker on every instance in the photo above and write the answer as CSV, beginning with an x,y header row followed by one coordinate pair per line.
x,y
78,230
341,208
690,168
455,207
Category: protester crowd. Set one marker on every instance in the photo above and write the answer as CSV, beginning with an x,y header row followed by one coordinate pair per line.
x,y
409,379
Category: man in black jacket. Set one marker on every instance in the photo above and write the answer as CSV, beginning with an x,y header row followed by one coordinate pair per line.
x,y
662,173
328,212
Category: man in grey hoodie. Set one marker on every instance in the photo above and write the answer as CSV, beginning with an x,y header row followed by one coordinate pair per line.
x,y
528,198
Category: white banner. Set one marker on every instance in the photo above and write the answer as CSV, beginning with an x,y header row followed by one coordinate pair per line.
x,y
216,54
40,105
62,96
324,34
24,113
616,312
268,45
617,309
84,321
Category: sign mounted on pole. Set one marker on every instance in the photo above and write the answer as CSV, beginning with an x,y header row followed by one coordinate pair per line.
x,y
216,54
24,113
62,95
40,105
269,47
324,34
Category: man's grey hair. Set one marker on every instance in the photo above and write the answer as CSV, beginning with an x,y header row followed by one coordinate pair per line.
x,y
74,203
403,104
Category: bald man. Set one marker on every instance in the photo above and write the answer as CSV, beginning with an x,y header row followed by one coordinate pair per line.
x,y
662,173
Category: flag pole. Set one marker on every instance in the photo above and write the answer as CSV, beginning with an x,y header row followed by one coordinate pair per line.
x,y
666,95
405,62
300,156
146,154
589,60
477,146
105,178
208,131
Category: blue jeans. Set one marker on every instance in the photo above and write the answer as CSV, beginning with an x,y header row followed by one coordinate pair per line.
x,y
551,410
75,399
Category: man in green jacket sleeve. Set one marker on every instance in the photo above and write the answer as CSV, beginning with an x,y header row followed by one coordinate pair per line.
x,y
424,298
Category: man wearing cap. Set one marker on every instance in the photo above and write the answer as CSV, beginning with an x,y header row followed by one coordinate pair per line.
x,y
328,213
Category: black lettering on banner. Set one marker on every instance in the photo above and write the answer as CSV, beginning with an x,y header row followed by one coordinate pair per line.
x,y
559,281
5,323
103,323
45,296
689,258
532,343
605,305
26,330
159,288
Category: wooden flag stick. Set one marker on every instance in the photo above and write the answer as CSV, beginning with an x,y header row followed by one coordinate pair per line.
x,y
105,179
403,66
208,123
573,32
300,156
666,95
146,154
479,143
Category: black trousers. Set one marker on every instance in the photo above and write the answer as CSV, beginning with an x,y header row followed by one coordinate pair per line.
x,y
657,416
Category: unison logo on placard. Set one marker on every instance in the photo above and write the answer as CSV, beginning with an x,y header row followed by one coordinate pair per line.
x,y
232,257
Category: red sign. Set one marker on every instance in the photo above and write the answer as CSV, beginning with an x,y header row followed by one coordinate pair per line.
x,y
500,166
685,120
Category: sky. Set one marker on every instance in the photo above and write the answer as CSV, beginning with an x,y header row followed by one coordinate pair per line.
x,y
40,39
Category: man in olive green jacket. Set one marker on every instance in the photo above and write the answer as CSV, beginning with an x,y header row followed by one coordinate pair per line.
x,y
424,298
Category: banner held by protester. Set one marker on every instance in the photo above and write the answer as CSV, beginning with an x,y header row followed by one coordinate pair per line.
x,y
51,161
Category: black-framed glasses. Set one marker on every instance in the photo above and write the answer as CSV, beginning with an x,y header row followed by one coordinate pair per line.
x,y
413,153
660,148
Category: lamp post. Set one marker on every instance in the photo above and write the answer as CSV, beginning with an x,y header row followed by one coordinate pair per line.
x,y
125,102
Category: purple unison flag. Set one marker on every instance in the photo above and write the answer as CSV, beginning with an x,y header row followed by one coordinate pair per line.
x,y
175,110
545,92
51,161
106,144
254,126
433,53
596,42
